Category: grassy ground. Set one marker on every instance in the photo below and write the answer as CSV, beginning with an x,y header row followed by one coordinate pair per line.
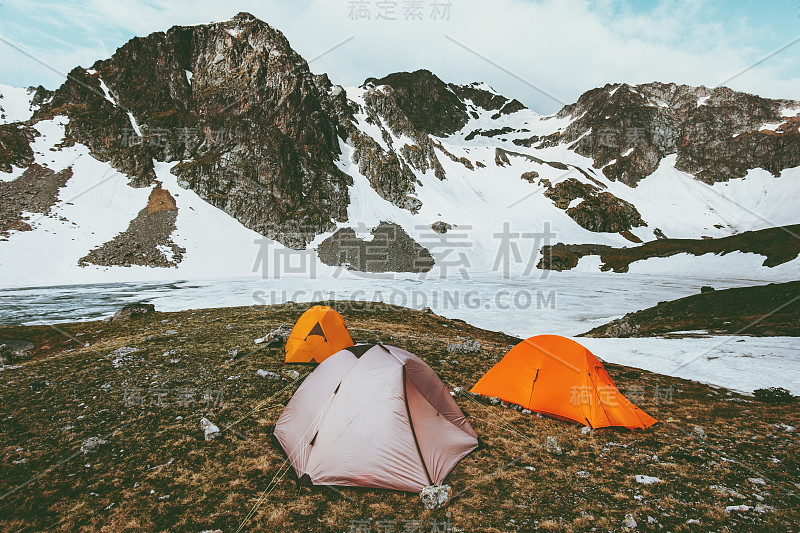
x,y
762,310
156,472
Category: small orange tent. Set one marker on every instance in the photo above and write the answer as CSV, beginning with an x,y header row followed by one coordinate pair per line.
x,y
319,333
558,377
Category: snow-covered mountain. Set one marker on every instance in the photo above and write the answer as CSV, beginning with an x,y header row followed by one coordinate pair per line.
x,y
207,150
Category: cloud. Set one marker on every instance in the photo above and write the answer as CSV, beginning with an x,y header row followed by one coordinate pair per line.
x,y
562,47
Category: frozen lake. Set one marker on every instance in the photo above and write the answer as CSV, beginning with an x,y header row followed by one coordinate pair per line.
x,y
564,303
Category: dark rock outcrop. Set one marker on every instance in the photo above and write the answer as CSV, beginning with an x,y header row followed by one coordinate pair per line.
x,y
15,146
13,351
490,101
35,191
778,245
390,250
599,211
562,256
133,311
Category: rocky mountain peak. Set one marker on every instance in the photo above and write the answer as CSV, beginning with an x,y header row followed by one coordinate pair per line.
x,y
718,134
426,100
255,131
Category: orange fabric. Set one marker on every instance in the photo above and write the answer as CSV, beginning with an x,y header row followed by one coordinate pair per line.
x,y
558,377
319,333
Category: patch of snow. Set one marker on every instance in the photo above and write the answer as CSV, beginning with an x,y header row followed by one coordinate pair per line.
x,y
647,480
15,104
167,252
107,92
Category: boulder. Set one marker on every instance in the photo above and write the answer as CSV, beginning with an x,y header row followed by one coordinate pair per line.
x,y
276,337
698,433
210,430
552,446
91,445
441,227
14,351
133,311
465,346
435,496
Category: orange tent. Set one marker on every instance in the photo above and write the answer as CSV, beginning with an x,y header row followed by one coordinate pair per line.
x,y
558,377
319,333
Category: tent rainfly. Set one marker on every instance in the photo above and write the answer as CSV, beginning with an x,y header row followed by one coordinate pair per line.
x,y
558,377
374,416
319,333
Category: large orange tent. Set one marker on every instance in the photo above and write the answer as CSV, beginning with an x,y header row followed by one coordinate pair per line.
x,y
558,377
319,333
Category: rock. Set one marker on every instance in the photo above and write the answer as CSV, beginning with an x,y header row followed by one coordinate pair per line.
x,y
210,430
552,446
133,311
526,411
585,430
291,374
276,336
717,140
529,176
435,496
739,508
494,400
441,227
148,239
430,104
706,288
629,522
583,474
597,211
390,249
465,346
92,444
427,311
14,351
698,433
267,374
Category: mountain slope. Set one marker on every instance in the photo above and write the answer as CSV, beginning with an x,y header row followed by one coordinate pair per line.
x,y
228,115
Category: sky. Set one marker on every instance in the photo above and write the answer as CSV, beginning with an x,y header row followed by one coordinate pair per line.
x,y
545,53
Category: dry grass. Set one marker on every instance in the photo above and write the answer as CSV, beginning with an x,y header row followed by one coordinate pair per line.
x,y
68,393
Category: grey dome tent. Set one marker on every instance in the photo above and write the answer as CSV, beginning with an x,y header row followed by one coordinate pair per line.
x,y
374,416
